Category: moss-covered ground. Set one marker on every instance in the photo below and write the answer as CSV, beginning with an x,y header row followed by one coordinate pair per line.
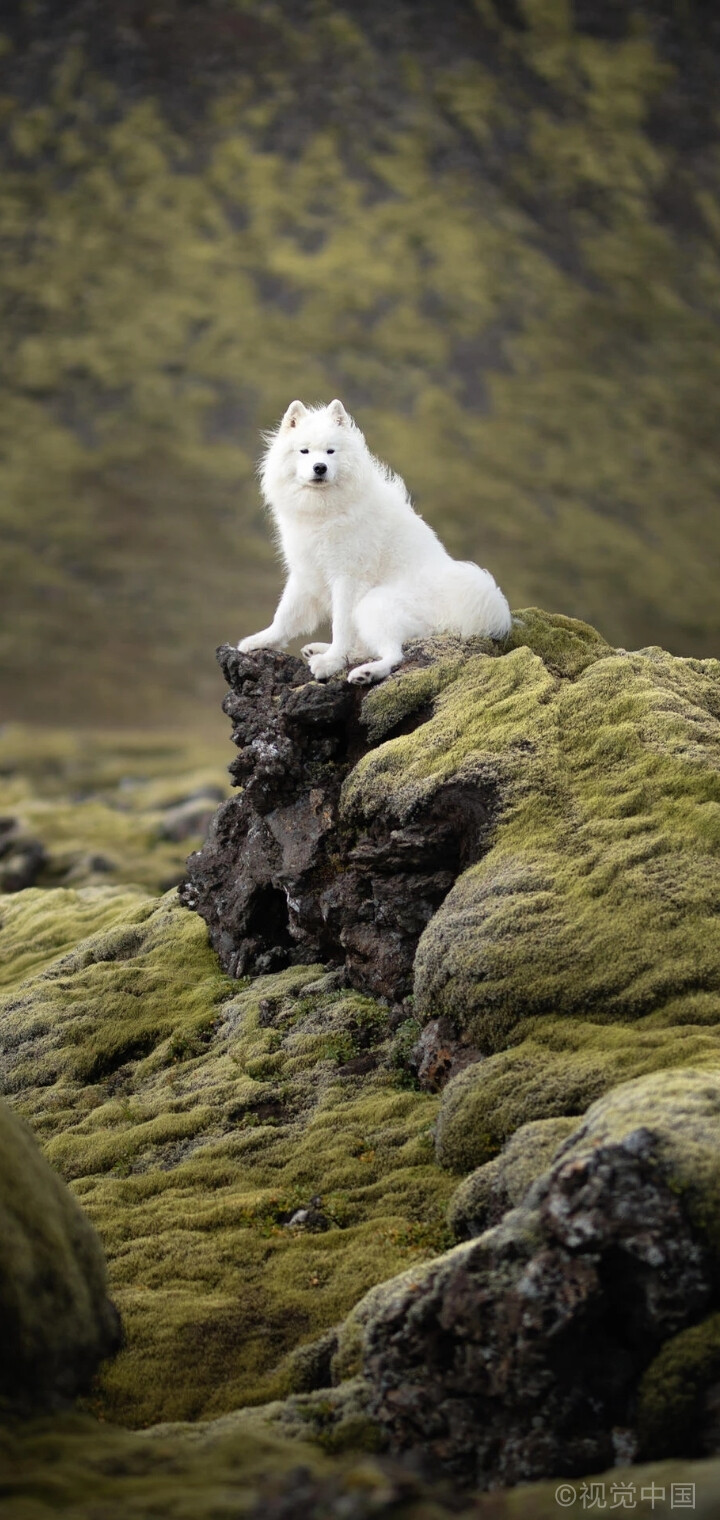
x,y
102,803
193,1117
73,1467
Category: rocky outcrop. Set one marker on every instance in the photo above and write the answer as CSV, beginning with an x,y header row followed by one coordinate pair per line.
x,y
285,877
569,943
525,830
56,1321
519,1354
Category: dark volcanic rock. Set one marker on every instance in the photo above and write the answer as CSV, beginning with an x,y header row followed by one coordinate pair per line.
x,y
281,879
518,1354
535,1349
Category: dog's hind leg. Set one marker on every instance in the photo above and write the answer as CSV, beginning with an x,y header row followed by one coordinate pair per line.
x,y
376,670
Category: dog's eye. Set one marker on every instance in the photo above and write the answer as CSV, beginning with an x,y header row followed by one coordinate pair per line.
x,y
330,451
304,451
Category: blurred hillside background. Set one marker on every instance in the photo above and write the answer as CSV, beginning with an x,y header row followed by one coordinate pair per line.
x,y
491,226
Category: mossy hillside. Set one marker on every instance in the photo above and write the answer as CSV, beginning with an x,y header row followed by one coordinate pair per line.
x,y
598,895
509,283
57,1321
101,803
193,1117
556,1068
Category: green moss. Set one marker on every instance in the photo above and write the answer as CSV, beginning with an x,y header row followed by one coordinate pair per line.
x,y
501,1184
100,803
565,645
73,1466
596,892
555,1068
671,1410
194,1115
57,1321
392,702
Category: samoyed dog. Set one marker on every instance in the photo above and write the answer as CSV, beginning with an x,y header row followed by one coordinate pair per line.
x,y
358,555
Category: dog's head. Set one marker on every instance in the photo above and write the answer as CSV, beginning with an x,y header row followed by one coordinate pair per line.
x,y
313,449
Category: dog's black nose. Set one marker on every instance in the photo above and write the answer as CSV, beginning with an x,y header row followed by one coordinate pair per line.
x,y
320,470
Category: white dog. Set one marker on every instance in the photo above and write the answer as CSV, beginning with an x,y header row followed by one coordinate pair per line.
x,y
356,553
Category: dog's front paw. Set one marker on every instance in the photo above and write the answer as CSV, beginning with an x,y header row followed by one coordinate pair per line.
x,y
324,665
263,640
308,650
363,675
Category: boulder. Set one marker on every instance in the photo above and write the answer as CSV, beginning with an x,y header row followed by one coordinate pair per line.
x,y
56,1321
519,1354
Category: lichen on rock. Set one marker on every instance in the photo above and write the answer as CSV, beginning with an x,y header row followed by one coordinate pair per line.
x,y
518,1354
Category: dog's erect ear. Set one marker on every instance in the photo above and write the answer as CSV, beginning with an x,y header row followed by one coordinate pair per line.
x,y
337,412
295,411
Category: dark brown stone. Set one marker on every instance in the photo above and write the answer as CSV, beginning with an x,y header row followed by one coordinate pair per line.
x,y
281,879
518,1354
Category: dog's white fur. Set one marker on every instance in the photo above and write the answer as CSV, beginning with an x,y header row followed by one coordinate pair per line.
x,y
358,554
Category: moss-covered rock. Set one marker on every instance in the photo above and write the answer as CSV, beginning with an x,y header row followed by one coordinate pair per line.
x,y
597,896
75,1467
56,1321
233,1467
257,1155
519,1353
554,1068
501,1184
677,1399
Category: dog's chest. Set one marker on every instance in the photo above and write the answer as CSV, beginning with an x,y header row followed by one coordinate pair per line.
x,y
331,550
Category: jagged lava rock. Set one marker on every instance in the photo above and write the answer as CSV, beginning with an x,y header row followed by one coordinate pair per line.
x,y
56,1321
284,878
519,1354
